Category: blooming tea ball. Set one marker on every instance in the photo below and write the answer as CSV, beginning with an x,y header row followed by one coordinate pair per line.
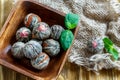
x,y
95,45
32,49
41,61
31,20
56,31
23,34
42,31
16,50
52,47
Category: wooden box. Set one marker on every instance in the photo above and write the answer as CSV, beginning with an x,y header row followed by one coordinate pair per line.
x,y
14,21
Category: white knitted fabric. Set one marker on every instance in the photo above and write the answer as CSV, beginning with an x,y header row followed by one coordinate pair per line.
x,y
98,18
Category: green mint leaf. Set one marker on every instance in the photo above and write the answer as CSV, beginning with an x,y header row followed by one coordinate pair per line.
x,y
109,46
66,39
114,52
71,20
108,41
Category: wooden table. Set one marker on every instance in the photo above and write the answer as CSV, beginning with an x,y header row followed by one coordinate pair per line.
x,y
69,72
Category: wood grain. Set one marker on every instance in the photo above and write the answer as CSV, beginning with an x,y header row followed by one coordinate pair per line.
x,y
1,73
8,72
5,7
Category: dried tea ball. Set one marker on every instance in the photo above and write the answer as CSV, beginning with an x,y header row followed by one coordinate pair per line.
x,y
31,20
42,31
17,50
66,39
56,31
41,61
23,34
51,47
95,45
32,49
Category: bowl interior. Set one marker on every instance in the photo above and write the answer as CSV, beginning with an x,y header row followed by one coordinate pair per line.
x,y
7,38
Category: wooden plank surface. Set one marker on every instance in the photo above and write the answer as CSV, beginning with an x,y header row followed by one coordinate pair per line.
x,y
69,72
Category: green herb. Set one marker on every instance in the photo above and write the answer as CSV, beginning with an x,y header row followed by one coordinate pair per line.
x,y
71,20
66,39
109,46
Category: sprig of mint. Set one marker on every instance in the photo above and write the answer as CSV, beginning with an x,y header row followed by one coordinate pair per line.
x,y
71,20
109,46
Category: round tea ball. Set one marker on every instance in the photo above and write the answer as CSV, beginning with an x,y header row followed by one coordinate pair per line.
x,y
56,31
52,47
95,45
42,31
23,34
16,49
31,20
32,49
41,61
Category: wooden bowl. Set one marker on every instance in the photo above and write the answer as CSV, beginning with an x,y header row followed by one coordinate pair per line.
x,y
14,21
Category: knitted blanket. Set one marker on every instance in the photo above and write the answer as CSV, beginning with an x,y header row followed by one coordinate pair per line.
x,y
98,19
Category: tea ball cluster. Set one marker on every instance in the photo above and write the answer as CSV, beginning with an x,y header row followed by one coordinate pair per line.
x,y
37,41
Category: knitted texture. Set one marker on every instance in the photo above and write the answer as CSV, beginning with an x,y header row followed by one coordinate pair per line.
x,y
114,31
98,19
